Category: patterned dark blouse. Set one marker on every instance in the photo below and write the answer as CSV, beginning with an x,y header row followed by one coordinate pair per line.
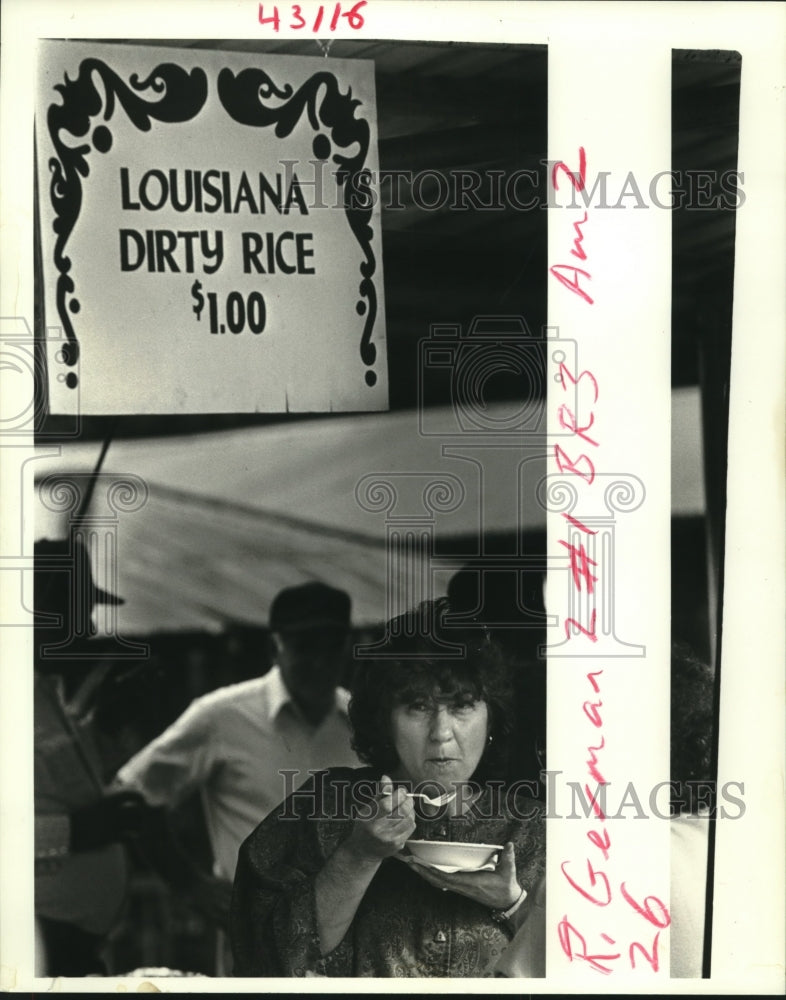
x,y
403,926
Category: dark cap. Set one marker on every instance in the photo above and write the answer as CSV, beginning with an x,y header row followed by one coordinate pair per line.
x,y
55,558
309,605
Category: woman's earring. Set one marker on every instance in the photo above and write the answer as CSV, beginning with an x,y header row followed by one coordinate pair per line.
x,y
490,739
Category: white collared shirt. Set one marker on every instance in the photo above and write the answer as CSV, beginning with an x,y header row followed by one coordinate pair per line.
x,y
231,746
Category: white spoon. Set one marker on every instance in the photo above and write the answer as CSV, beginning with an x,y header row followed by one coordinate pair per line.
x,y
441,800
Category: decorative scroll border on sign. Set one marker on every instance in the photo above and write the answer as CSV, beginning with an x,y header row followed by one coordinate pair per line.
x,y
245,95
182,94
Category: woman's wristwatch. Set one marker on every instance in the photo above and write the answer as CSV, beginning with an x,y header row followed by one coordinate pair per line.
x,y
499,916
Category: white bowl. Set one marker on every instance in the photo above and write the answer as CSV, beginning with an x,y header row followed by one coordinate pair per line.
x,y
452,853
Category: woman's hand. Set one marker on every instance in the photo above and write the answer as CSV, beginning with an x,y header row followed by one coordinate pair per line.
x,y
341,884
498,889
386,831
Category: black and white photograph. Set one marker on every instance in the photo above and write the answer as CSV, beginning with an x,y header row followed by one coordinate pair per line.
x,y
392,565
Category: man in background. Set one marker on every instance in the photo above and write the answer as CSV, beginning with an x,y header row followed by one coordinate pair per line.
x,y
244,747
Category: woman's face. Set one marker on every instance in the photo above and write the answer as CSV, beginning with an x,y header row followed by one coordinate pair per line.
x,y
440,738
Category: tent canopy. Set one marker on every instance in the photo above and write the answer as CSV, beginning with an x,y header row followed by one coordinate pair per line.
x,y
225,520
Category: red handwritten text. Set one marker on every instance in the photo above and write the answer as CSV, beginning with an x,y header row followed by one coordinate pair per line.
x,y
569,275
587,877
584,388
352,16
593,885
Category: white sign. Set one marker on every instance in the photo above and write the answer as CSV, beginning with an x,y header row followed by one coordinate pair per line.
x,y
210,231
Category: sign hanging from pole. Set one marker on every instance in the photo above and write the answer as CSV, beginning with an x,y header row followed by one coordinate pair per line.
x,y
210,231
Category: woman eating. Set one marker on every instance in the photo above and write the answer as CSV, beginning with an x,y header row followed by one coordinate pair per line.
x,y
326,885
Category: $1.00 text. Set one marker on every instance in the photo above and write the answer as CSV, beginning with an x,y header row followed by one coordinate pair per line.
x,y
236,314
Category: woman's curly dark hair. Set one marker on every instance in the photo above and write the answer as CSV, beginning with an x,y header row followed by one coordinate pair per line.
x,y
414,662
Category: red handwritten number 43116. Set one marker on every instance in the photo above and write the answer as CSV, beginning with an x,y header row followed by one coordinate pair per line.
x,y
353,16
